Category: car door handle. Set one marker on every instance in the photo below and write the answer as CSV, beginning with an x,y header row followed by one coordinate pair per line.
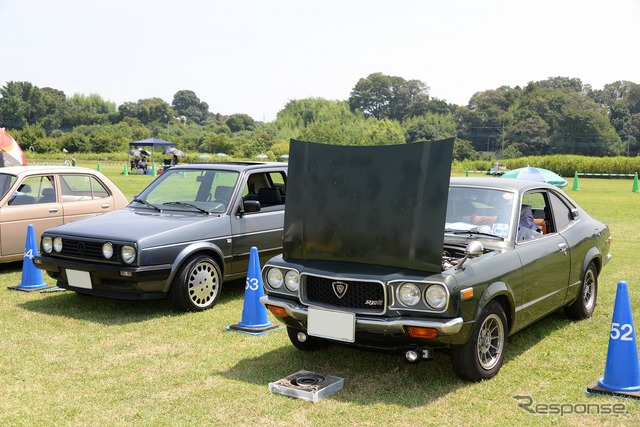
x,y
105,206
563,248
53,210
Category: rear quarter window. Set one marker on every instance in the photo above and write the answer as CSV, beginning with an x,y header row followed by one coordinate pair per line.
x,y
82,187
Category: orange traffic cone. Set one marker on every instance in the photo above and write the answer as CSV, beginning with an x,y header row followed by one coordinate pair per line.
x,y
254,315
622,370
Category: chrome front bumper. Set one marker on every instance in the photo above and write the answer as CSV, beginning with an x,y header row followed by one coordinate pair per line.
x,y
376,325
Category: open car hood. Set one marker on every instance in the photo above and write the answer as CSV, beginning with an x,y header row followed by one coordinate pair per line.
x,y
382,205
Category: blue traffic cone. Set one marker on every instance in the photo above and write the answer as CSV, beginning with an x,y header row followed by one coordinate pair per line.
x,y
254,315
622,370
31,276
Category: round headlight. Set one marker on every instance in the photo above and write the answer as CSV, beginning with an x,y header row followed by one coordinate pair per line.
x,y
436,297
107,250
274,278
292,280
57,244
128,254
47,244
409,294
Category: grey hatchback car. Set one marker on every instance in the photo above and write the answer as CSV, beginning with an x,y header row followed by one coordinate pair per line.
x,y
181,237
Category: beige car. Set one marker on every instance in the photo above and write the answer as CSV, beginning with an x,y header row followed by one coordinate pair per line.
x,y
46,196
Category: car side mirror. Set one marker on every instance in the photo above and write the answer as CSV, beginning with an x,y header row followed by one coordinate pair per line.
x,y
250,206
473,250
574,214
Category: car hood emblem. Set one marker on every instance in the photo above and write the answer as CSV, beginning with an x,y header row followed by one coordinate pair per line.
x,y
339,288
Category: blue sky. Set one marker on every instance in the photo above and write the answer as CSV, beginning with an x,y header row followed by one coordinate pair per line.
x,y
254,56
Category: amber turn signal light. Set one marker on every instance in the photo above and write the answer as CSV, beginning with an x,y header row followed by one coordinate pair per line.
x,y
420,332
277,311
466,294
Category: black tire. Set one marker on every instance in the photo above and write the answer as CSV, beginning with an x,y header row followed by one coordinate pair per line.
x,y
481,357
309,344
197,285
585,304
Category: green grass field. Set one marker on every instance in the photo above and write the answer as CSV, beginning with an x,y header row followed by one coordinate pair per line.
x,y
75,360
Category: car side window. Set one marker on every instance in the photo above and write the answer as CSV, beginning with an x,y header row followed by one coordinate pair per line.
x,y
82,187
34,190
561,212
535,219
268,188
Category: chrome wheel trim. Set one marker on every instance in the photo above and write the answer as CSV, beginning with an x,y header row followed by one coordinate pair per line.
x,y
490,342
203,284
589,290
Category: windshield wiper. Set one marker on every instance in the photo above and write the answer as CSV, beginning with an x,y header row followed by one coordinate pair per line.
x,y
144,202
191,205
472,232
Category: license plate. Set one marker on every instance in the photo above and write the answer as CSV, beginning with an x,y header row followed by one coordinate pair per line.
x,y
79,279
331,324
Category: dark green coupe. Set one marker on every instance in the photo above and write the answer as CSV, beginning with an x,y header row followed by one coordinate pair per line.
x,y
383,250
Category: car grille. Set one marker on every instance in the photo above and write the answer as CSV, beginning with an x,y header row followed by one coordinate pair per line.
x,y
360,297
88,250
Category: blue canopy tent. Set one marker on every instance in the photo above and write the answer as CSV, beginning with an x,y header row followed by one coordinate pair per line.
x,y
152,142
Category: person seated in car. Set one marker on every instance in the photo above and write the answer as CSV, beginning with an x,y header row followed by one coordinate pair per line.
x,y
527,228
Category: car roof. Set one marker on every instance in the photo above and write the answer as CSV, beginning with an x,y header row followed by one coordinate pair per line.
x,y
512,184
234,166
35,169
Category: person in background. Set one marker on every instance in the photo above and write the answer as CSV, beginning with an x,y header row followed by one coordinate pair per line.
x,y
142,165
175,160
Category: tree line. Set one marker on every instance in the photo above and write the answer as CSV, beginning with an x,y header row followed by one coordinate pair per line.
x,y
559,115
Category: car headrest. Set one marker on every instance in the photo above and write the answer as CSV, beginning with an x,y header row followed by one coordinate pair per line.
x,y
223,192
270,196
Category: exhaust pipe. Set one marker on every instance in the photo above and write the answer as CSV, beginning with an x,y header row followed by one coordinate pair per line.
x,y
415,355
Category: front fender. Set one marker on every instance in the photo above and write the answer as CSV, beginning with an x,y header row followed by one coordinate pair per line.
x,y
188,251
472,308
493,291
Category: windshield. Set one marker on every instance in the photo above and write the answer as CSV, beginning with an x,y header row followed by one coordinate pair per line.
x,y
479,209
6,182
207,191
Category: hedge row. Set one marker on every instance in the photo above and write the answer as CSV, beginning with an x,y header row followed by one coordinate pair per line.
x,y
563,165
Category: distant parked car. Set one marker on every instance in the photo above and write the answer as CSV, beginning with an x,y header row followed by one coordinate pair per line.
x,y
182,236
498,169
383,250
46,196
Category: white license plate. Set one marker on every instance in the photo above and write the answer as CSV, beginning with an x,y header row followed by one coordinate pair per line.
x,y
331,324
79,279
